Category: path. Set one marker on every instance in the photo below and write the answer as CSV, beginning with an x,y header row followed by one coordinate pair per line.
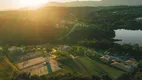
x,y
11,64
73,28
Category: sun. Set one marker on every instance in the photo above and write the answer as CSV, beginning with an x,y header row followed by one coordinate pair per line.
x,y
32,3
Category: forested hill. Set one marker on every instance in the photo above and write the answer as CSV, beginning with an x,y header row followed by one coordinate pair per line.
x,y
48,24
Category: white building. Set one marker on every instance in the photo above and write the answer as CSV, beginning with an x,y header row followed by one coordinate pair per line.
x,y
90,52
14,48
139,19
106,58
64,47
132,63
1,48
123,66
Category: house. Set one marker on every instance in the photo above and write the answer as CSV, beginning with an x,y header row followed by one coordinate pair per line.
x,y
115,12
31,55
139,19
64,47
132,63
14,48
123,66
90,52
11,49
106,58
53,50
38,49
1,48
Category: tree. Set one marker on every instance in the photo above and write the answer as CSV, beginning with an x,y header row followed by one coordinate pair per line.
x,y
106,77
94,77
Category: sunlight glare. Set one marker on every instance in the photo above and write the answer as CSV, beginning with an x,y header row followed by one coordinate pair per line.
x,y
32,3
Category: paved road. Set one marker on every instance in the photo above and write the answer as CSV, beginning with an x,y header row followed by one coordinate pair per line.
x,y
73,28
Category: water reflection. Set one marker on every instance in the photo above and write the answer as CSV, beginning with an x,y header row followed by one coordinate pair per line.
x,y
129,36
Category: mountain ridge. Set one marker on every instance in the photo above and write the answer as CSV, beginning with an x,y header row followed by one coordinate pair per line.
x,y
96,3
89,4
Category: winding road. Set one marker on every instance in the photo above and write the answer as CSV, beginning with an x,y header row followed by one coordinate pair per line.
x,y
73,28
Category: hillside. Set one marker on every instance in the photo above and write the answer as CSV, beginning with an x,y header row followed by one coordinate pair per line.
x,y
49,24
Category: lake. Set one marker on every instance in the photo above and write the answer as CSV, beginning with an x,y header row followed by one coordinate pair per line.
x,y
129,36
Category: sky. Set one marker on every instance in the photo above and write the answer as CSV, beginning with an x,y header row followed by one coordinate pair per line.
x,y
13,4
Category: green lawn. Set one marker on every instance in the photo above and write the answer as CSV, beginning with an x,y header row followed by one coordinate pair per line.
x,y
86,66
95,65
72,65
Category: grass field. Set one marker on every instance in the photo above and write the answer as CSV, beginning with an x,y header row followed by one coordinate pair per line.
x,y
86,66
95,66
5,69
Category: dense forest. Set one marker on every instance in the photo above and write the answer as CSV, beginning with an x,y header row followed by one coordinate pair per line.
x,y
40,26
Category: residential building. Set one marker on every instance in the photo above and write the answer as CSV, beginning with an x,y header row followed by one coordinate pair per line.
x,y
14,48
139,19
64,47
106,58
123,66
132,63
1,48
